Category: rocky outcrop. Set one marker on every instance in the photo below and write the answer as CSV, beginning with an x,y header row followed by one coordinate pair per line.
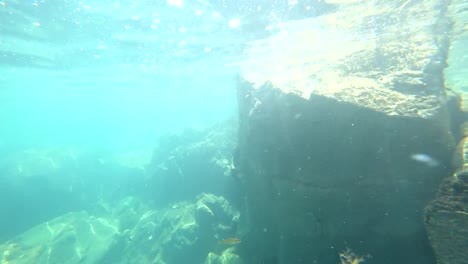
x,y
71,238
188,162
130,231
160,222
48,182
226,257
184,232
446,220
344,134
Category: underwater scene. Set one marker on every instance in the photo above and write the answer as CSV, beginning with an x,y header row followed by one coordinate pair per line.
x,y
233,132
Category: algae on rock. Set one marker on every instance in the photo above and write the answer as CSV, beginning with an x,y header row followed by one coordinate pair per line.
x,y
71,238
228,256
183,232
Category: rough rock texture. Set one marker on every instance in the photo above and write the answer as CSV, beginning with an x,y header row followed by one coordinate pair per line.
x,y
48,182
446,220
331,111
446,217
226,257
181,233
131,232
191,161
72,238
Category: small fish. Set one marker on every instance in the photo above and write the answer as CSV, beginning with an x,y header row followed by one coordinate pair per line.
x,y
230,241
425,159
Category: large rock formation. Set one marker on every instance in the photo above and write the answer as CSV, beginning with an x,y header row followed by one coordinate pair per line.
x,y
344,134
191,161
130,231
48,182
447,216
72,238
447,220
185,232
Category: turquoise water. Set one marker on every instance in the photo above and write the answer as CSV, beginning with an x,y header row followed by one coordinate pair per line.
x,y
103,77
88,87
123,138
107,72
102,72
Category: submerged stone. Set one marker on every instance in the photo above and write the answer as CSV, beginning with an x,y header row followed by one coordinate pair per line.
x,y
72,238
446,220
331,111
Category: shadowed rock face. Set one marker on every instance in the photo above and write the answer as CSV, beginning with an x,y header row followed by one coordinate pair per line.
x,y
326,139
323,173
446,220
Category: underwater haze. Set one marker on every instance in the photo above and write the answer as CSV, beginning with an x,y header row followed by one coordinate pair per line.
x,y
110,72
233,131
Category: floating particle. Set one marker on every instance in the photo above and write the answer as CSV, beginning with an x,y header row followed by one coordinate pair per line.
x,y
37,24
425,159
298,115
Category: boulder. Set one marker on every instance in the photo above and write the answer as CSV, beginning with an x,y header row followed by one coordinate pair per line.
x,y
184,232
446,220
344,135
191,161
131,232
64,179
228,256
72,238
